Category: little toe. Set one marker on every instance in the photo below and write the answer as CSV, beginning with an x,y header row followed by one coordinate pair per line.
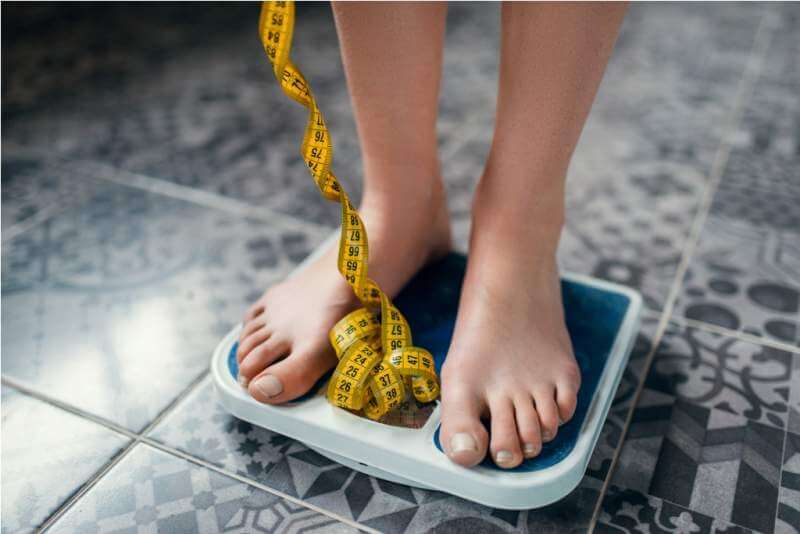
x,y
464,438
530,434
548,411
260,357
250,342
504,445
567,401
291,377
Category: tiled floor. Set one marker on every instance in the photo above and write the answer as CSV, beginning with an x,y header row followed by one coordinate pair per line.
x,y
150,183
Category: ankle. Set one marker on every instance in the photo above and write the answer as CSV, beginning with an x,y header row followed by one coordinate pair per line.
x,y
517,223
395,197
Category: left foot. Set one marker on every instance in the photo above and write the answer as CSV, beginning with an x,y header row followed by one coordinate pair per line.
x,y
511,359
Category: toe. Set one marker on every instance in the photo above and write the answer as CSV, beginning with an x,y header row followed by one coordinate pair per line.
x,y
291,377
248,327
250,342
464,437
530,435
505,436
254,311
566,400
260,357
548,411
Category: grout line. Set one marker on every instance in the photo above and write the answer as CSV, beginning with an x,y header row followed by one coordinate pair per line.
x,y
137,438
83,490
757,54
780,477
714,329
169,408
21,227
203,463
200,196
110,173
102,421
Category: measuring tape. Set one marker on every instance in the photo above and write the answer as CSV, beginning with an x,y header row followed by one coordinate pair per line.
x,y
377,362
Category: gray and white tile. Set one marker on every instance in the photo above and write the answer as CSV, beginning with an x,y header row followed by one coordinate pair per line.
x,y
629,511
35,188
47,455
725,373
708,431
788,520
152,491
112,304
745,275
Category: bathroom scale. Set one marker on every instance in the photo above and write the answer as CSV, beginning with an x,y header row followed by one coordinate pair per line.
x,y
602,319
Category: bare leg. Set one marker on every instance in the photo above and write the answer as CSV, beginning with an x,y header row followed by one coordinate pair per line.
x,y
392,56
511,359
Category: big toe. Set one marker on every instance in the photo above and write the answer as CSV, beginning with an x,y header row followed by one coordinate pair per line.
x,y
291,377
464,438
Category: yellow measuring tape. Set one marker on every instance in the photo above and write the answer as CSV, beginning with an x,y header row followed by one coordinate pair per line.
x,y
377,362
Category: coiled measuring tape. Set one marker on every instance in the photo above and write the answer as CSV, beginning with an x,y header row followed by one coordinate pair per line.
x,y
377,362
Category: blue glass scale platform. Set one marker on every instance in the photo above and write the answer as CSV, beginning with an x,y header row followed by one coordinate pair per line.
x,y
602,319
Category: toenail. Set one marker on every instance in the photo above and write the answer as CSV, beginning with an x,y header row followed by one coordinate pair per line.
x,y
529,449
546,435
503,458
463,442
269,386
242,381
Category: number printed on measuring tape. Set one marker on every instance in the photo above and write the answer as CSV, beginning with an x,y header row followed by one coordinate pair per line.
x,y
378,364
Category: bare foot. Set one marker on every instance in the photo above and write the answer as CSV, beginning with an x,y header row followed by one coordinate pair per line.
x,y
283,346
511,358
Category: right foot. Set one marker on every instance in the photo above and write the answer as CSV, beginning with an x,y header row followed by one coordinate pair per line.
x,y
283,346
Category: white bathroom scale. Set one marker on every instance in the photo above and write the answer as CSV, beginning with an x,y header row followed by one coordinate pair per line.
x,y
602,319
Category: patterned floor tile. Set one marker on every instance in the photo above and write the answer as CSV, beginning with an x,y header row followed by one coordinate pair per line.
x,y
765,147
629,511
788,520
117,300
725,373
152,491
706,432
745,274
47,455
34,189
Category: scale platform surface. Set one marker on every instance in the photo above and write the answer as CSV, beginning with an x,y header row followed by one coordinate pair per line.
x,y
602,319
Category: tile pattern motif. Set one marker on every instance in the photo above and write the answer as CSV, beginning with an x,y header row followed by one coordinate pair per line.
x,y
708,431
746,273
151,491
628,511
